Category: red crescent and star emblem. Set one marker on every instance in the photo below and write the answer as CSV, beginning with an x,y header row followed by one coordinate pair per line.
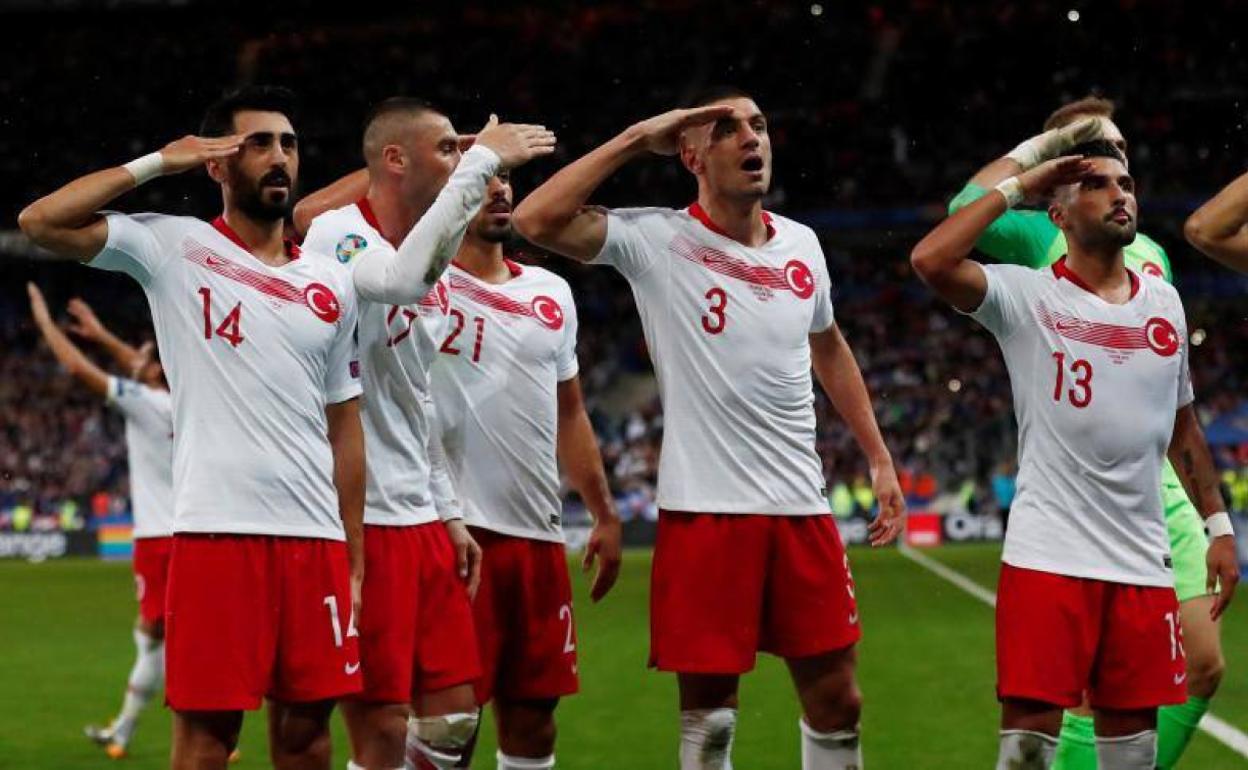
x,y
322,302
1152,268
548,312
1161,337
799,278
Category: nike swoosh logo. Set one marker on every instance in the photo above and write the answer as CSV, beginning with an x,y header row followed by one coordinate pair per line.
x,y
1065,326
1178,678
853,618
351,668
214,262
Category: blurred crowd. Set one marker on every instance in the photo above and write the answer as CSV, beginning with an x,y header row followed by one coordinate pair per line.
x,y
879,112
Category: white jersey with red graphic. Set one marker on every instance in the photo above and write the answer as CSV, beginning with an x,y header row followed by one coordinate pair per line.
x,y
1096,387
728,328
508,347
398,344
254,354
149,453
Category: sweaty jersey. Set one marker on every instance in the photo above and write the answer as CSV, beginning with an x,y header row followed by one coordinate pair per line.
x,y
254,355
1096,387
508,347
149,453
398,344
728,329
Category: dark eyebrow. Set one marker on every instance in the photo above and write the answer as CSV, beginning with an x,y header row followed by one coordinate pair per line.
x,y
267,136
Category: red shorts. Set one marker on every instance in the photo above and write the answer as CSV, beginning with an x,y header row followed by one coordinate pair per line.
x,y
151,575
416,632
1059,636
724,586
524,619
255,616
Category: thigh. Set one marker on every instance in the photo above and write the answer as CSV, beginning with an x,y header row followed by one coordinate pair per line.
x,y
706,592
388,619
151,576
809,606
1142,663
446,646
1202,641
540,650
318,655
221,622
1188,543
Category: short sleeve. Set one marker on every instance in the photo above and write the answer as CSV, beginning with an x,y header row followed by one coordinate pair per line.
x,y
566,365
1005,305
139,402
1186,393
342,376
626,247
824,316
132,248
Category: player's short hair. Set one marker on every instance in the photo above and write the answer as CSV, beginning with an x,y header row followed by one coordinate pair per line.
x,y
718,93
381,117
219,117
1098,148
1088,106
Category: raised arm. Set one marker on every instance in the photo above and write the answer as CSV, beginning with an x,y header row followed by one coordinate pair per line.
x,y
940,258
1189,453
555,215
1217,228
70,357
335,195
89,327
581,460
67,222
346,441
838,373
407,275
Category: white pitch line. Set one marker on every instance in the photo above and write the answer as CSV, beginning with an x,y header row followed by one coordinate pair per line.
x,y
1218,729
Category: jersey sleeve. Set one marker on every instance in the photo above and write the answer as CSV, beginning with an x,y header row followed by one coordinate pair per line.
x,y
445,501
626,247
1005,306
342,375
1186,393
138,402
824,315
566,365
132,247
1017,237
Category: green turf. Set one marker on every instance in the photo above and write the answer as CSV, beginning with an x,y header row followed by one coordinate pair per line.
x,y
926,671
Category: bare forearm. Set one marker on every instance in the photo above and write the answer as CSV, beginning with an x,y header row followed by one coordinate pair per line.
x,y
337,194
346,437
997,171
67,222
125,355
1189,453
73,359
838,373
1217,228
582,461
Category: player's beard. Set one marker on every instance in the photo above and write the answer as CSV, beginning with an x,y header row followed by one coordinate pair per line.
x,y
495,233
250,198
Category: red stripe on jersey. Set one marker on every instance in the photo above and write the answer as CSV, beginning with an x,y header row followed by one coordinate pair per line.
x,y
543,309
315,296
794,276
1157,334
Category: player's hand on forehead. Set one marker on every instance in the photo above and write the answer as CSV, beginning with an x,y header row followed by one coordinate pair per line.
x,y
662,133
516,143
193,151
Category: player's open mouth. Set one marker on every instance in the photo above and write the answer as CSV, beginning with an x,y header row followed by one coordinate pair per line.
x,y
752,164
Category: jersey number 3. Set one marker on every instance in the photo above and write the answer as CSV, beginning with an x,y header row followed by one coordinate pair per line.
x,y
230,328
1080,391
714,319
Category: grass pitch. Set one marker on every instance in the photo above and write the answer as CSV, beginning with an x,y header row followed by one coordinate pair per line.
x,y
926,668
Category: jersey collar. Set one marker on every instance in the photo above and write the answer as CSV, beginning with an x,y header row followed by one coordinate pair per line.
x,y
512,267
370,216
292,249
1062,270
697,212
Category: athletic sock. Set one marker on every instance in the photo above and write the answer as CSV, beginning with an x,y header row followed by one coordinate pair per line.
x,y
837,750
1128,752
1076,748
506,762
1175,727
706,738
145,679
1025,750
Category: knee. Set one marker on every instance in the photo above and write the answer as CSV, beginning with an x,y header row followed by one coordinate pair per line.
x,y
534,738
1204,674
839,709
307,739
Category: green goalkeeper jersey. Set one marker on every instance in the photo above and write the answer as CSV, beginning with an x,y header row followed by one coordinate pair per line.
x,y
1029,238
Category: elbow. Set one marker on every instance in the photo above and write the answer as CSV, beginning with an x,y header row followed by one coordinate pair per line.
x,y
302,217
32,223
531,225
1196,231
924,261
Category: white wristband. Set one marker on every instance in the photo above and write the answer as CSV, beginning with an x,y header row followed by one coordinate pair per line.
x,y
1219,524
1012,190
146,168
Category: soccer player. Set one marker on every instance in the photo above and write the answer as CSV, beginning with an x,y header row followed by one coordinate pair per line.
x,y
510,406
143,399
736,307
1028,237
268,465
1097,356
417,642
1217,227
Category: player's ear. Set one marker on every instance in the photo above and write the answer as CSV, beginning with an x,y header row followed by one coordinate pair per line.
x,y
689,155
216,170
392,158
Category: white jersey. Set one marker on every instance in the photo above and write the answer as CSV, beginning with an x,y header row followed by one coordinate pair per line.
x,y
149,453
254,355
508,348
728,329
1096,387
398,344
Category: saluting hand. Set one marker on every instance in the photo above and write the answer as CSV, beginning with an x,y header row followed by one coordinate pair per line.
x,y
193,151
516,143
661,134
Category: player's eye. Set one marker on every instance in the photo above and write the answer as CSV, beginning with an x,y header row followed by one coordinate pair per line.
x,y
290,142
759,126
